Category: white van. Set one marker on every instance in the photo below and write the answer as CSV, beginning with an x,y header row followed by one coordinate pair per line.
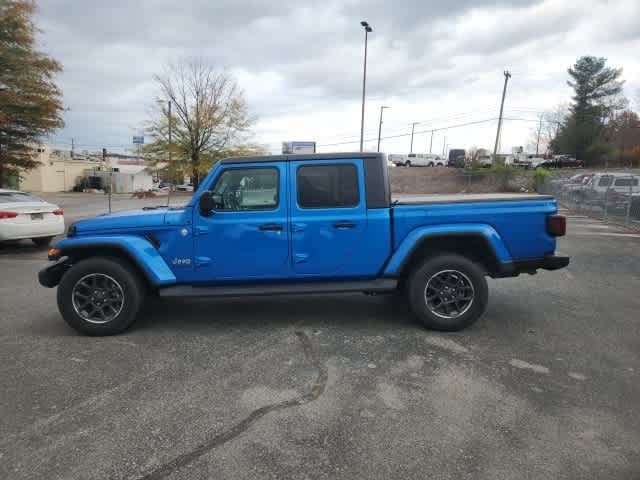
x,y
425,160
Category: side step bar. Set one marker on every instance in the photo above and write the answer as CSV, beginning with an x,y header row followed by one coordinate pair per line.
x,y
377,285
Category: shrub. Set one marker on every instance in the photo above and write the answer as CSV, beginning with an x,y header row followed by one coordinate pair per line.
x,y
540,177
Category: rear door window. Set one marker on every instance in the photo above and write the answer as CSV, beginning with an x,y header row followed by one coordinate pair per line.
x,y
605,181
327,186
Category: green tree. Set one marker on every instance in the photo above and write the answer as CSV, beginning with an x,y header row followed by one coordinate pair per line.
x,y
209,118
30,101
597,94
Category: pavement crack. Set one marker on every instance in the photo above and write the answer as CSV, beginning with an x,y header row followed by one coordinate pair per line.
x,y
317,388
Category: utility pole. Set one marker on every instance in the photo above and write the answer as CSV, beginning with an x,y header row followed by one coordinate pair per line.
x,y
367,30
413,126
73,144
539,130
382,107
431,142
170,164
444,145
507,75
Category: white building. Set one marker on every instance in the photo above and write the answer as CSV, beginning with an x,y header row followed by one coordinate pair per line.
x,y
131,178
60,171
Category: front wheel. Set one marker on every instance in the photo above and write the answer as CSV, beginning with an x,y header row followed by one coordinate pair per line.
x,y
448,292
100,296
407,163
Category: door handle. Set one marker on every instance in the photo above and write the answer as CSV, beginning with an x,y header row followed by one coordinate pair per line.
x,y
271,227
343,224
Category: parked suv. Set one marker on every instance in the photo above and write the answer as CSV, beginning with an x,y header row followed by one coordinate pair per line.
x,y
609,188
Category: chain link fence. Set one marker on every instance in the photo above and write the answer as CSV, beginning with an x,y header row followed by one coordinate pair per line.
x,y
609,196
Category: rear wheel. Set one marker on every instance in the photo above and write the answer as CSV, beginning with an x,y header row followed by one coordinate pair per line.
x,y
448,292
42,241
407,163
100,296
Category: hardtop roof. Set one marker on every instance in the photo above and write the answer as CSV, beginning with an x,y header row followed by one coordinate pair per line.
x,y
302,157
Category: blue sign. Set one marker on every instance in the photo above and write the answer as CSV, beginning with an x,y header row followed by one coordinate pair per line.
x,y
138,140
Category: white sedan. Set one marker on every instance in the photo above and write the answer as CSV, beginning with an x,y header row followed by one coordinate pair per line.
x,y
24,216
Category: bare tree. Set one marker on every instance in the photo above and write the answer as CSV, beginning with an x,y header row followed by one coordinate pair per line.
x,y
209,115
549,123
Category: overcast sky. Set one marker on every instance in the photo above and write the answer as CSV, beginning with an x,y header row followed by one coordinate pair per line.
x,y
300,64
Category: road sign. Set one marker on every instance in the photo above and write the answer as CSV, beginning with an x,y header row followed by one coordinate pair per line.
x,y
298,147
138,140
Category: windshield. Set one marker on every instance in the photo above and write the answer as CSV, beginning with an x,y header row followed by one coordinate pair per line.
x,y
16,197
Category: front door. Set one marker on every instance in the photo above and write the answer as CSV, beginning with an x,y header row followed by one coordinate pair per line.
x,y
328,218
247,235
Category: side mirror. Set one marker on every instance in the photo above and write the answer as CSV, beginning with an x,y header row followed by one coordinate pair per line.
x,y
207,204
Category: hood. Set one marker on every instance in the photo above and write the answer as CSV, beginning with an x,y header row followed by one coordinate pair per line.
x,y
128,220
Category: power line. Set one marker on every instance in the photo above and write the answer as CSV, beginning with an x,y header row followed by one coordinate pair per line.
x,y
466,124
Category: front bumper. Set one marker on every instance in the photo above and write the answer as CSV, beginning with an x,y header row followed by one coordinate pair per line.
x,y
531,266
50,275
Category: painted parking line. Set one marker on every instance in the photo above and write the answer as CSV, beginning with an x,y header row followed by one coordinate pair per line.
x,y
605,234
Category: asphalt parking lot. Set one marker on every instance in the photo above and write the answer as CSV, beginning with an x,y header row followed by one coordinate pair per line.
x,y
545,385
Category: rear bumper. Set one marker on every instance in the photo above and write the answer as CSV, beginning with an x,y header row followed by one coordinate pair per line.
x,y
531,266
50,275
44,228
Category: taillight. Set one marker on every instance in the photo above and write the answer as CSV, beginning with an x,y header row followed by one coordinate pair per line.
x,y
8,214
557,225
58,211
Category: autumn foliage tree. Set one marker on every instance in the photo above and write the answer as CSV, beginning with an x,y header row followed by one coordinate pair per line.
x,y
209,117
30,100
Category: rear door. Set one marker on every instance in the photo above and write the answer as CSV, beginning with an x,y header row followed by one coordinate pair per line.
x,y
328,218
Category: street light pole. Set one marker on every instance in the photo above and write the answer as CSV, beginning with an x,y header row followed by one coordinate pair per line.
x,y
367,30
382,107
170,163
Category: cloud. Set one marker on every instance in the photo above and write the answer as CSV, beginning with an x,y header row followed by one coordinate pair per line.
x,y
300,62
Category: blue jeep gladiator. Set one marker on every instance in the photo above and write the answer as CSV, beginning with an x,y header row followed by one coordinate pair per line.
x,y
323,223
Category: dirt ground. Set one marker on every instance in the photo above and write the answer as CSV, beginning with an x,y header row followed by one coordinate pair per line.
x,y
453,180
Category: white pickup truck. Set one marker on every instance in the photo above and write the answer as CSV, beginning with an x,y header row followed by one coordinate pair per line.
x,y
418,160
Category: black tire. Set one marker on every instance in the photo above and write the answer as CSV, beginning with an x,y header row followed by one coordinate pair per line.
x,y
407,163
460,270
42,241
131,286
